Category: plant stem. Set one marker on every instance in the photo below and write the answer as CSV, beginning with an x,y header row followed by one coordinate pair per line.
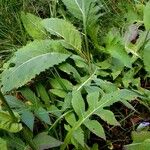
x,y
87,45
24,130
25,135
54,8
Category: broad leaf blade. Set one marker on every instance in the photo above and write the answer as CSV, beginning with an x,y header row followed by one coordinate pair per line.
x,y
64,30
17,77
33,26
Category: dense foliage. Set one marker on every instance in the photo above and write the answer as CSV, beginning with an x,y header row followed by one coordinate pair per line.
x,y
69,72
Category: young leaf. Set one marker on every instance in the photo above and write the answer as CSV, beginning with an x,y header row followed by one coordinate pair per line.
x,y
147,16
33,26
45,141
95,127
64,29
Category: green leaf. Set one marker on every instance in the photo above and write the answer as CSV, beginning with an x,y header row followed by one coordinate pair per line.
x,y
147,16
117,51
43,115
95,147
3,144
69,69
54,110
95,127
107,116
92,99
108,87
65,30
15,142
45,141
74,7
33,26
70,118
43,93
8,124
78,103
67,102
146,59
19,75
141,136
61,84
88,12
27,117
30,96
141,140
34,49
105,101
79,136
14,102
58,92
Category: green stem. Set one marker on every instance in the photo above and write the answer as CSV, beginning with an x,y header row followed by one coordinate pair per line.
x,y
54,8
26,136
24,130
86,44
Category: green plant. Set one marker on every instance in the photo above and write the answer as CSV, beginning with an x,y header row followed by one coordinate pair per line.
x,y
67,76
